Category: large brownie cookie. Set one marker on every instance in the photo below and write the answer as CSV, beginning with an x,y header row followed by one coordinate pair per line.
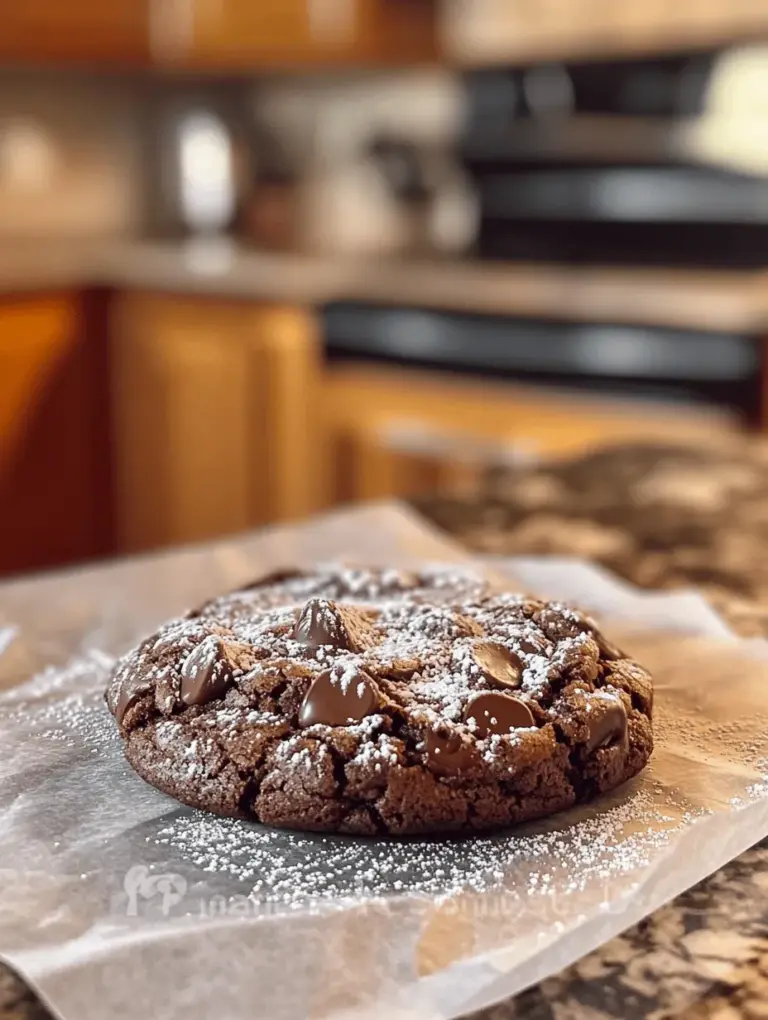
x,y
377,702
658,515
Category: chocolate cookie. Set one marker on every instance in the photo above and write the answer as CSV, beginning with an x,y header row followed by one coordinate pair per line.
x,y
382,702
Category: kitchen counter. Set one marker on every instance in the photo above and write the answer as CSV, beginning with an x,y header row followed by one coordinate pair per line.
x,y
684,299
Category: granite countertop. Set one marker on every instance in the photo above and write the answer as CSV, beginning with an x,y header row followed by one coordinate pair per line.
x,y
684,299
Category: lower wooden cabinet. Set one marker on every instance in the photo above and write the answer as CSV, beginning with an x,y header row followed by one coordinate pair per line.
x,y
214,417
55,495
399,432
162,419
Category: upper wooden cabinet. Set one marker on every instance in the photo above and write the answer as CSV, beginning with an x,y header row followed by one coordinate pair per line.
x,y
280,34
75,31
219,34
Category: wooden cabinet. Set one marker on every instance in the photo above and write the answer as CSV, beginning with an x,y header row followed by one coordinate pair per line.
x,y
54,443
214,412
92,31
246,35
406,433
280,34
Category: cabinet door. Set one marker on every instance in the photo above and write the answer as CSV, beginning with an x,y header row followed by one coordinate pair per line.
x,y
93,31
213,418
54,445
409,433
295,33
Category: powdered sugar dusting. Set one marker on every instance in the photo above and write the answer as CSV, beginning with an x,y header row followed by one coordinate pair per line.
x,y
345,675
72,718
296,871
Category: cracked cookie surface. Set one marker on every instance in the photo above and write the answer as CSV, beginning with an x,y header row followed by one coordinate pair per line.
x,y
382,702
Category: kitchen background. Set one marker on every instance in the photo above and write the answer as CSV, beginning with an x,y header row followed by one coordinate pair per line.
x,y
258,259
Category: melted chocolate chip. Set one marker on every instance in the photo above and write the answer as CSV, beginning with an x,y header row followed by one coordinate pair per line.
x,y
496,713
498,663
338,701
449,755
131,690
607,650
532,644
206,673
607,722
321,623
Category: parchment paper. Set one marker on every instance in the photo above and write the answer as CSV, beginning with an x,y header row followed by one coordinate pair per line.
x,y
115,901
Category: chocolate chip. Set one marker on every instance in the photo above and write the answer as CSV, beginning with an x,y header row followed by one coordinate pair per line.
x,y
449,755
607,723
496,713
607,650
339,700
131,689
206,673
532,645
321,623
498,663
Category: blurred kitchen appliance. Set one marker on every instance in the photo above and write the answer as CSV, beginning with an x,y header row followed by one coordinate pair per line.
x,y
196,161
270,215
207,190
269,211
675,366
374,158
630,166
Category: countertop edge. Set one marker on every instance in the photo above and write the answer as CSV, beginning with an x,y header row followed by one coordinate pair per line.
x,y
705,301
